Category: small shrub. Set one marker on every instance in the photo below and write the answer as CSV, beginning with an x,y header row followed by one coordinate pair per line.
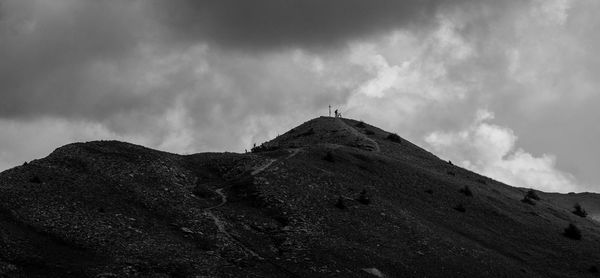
x,y
362,198
579,211
35,179
429,191
593,269
362,157
394,137
482,181
572,232
202,191
361,125
340,203
25,163
460,208
532,195
281,219
528,200
369,132
450,162
467,191
309,132
450,173
329,157
263,148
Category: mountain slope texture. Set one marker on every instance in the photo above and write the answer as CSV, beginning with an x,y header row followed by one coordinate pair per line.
x,y
332,197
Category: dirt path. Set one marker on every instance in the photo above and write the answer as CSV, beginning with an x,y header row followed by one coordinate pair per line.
x,y
219,223
263,167
294,152
359,134
271,161
221,226
223,199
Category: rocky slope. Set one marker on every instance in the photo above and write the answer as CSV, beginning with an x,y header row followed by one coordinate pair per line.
x,y
330,198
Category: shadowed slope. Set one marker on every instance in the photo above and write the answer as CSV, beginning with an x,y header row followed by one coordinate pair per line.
x,y
331,198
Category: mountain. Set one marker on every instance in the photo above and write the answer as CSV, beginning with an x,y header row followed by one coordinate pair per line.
x,y
332,197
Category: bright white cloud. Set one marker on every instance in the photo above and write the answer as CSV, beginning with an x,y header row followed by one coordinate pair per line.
x,y
551,12
491,150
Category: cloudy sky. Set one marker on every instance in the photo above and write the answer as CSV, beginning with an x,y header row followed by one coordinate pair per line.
x,y
505,88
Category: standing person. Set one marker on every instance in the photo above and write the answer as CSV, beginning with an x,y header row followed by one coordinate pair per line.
x,y
336,113
329,110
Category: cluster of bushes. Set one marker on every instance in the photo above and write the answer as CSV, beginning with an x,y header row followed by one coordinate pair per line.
x,y
572,231
360,125
263,148
530,197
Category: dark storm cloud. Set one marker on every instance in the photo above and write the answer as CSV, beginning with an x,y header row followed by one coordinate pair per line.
x,y
83,58
306,23
62,57
199,75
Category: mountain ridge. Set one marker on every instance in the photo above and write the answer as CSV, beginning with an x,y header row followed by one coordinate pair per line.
x,y
332,197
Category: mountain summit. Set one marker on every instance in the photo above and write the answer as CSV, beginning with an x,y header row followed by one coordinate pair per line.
x,y
332,197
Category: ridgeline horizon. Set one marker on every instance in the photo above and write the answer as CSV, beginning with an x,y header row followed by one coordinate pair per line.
x,y
332,197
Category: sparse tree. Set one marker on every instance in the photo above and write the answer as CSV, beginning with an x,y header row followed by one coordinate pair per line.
x,y
340,203
394,137
579,211
528,200
35,179
309,132
466,190
572,232
532,195
363,198
329,157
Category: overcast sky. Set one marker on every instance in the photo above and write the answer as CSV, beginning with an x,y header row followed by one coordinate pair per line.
x,y
509,89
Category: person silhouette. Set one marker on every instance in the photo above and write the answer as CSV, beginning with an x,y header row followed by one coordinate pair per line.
x,y
336,113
